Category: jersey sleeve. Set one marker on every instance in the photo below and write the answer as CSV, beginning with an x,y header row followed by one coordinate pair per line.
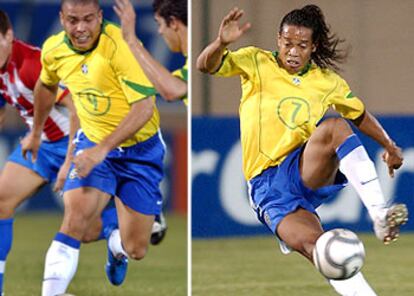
x,y
62,92
182,74
48,75
345,102
239,62
134,83
30,70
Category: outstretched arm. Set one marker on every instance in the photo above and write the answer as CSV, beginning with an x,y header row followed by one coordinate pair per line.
x,y
44,99
167,85
230,30
370,126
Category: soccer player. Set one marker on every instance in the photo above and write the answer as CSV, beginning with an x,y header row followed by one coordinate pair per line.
x,y
119,150
171,17
19,70
291,160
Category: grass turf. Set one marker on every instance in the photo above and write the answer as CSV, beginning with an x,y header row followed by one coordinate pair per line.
x,y
162,272
255,266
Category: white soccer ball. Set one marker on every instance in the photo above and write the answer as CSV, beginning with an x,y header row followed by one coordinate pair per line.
x,y
338,254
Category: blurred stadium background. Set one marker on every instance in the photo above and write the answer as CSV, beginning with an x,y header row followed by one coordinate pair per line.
x,y
33,22
232,253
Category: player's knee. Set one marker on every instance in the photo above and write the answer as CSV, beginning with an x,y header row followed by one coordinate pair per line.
x,y
136,251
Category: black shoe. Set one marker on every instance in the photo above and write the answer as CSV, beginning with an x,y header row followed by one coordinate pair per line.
x,y
159,229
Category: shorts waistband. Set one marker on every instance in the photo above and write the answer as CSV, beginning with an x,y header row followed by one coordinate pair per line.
x,y
147,144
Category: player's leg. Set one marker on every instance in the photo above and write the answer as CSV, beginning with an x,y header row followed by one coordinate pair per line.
x,y
13,191
331,143
82,206
135,230
129,241
102,227
139,169
300,231
334,145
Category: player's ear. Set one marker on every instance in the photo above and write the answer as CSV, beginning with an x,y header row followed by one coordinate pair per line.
x,y
61,18
100,16
173,23
313,47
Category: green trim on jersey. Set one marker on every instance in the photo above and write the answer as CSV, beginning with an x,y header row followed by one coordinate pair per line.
x,y
184,73
142,89
350,95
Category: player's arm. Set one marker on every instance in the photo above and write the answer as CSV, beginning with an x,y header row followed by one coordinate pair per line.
x,y
44,99
139,114
370,126
167,85
230,30
73,127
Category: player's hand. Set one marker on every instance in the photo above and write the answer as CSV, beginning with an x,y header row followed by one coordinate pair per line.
x,y
393,158
61,176
30,143
126,14
230,29
88,159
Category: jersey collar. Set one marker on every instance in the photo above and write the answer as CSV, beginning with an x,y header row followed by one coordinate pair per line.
x,y
302,72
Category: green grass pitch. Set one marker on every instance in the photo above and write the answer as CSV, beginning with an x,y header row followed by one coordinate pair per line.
x,y
162,272
255,266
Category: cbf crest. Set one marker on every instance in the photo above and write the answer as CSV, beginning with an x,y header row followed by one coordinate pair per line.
x,y
85,69
296,80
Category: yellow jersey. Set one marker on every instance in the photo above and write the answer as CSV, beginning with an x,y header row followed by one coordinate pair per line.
x,y
103,81
182,73
279,111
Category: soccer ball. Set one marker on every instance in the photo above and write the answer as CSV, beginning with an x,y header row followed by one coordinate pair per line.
x,y
338,254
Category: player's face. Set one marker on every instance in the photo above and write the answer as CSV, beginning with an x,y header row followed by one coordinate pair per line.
x,y
295,47
168,32
82,24
6,42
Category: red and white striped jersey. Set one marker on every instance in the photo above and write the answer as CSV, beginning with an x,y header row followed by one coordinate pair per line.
x,y
17,81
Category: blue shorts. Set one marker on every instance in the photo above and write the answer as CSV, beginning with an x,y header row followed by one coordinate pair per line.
x,y
50,157
279,190
131,173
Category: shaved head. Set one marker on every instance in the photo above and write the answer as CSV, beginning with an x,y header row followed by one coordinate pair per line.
x,y
80,2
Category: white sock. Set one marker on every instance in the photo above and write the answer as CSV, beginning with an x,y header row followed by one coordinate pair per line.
x,y
361,173
60,266
354,286
115,244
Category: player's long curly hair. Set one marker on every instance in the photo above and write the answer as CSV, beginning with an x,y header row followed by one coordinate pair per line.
x,y
171,8
327,53
5,24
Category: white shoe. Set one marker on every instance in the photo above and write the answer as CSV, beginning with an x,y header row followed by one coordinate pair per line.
x,y
388,228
